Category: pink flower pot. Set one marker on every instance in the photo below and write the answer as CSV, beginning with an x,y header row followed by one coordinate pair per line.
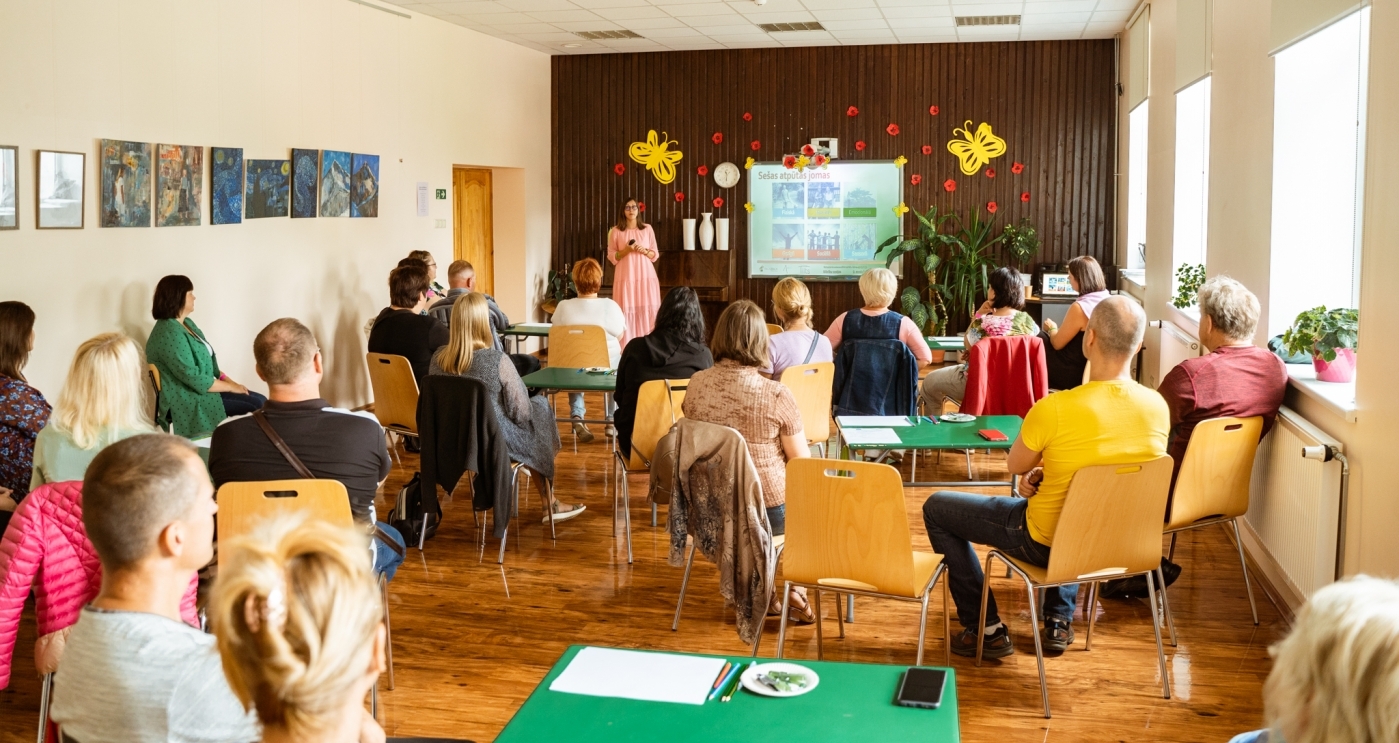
x,y
1340,370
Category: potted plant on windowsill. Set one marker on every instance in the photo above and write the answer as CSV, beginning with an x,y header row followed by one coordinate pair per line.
x,y
1330,336
930,316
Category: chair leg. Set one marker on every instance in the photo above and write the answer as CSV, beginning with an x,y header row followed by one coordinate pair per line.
x,y
1171,553
1156,628
946,624
816,606
840,617
684,582
922,629
388,626
1166,607
1091,609
850,608
1039,649
653,514
758,640
626,512
373,701
45,691
1238,542
968,452
782,625
981,618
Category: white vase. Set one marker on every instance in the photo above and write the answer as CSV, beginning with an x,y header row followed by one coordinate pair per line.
x,y
706,232
722,232
688,233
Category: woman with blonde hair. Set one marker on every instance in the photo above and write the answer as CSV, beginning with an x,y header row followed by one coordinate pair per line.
x,y
875,321
527,423
300,629
103,401
798,343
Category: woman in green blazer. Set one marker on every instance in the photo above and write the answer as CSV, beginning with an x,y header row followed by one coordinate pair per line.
x,y
194,394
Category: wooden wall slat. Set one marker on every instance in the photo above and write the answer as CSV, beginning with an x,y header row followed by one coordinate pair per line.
x,y
1052,101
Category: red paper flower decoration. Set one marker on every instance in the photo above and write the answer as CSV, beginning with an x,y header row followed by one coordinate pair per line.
x,y
1025,197
641,206
789,162
927,149
1017,168
893,130
619,169
703,170
915,179
718,137
747,116
860,145
808,150
933,110
990,207
755,144
718,202
679,195
949,185
990,172
852,111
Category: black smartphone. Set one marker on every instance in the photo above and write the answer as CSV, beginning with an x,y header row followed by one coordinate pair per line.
x,y
921,687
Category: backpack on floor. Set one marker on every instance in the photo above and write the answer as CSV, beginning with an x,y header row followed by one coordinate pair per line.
x,y
408,514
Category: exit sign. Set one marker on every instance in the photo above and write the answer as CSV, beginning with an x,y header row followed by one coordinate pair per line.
x,y
442,193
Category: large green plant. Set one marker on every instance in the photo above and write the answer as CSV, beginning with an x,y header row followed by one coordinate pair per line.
x,y
930,316
560,287
1189,278
965,273
1022,243
1321,332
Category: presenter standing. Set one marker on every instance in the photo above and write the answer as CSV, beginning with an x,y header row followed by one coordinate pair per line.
x,y
631,246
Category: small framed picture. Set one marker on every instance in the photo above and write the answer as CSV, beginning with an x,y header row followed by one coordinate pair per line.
x,y
59,202
9,188
1056,285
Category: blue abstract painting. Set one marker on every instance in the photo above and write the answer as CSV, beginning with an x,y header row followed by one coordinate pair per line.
x,y
364,186
335,183
268,188
226,186
126,184
304,169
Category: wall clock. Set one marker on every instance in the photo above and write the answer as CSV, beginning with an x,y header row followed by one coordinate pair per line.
x,y
726,175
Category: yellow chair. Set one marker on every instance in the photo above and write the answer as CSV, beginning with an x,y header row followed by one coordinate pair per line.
x,y
811,385
154,373
578,346
1212,487
847,532
243,505
1109,528
774,329
395,393
657,409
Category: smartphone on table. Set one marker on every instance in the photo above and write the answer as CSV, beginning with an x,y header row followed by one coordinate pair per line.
x,y
921,687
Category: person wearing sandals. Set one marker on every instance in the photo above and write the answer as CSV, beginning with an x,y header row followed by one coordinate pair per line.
x,y
526,422
1002,314
798,343
734,393
590,309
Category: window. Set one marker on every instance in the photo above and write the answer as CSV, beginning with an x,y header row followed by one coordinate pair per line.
x,y
1136,186
1192,175
1319,87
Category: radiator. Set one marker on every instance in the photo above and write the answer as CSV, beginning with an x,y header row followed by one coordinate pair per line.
x,y
1176,346
1294,509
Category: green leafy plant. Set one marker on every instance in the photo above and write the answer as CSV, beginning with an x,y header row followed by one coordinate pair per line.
x,y
1321,332
1189,278
1022,243
966,270
930,316
560,287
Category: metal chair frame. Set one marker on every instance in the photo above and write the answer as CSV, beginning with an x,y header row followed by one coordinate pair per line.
x,y
621,490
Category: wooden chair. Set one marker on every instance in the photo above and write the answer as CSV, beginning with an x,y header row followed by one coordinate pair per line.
x,y
1109,528
1212,487
154,373
244,505
847,532
774,329
811,385
395,393
657,409
578,346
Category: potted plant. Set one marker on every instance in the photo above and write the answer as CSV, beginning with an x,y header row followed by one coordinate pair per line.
x,y
930,316
965,273
1330,336
1022,245
560,287
1189,278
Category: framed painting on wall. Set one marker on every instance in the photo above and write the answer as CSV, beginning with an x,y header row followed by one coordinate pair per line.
x,y
59,196
304,169
364,186
125,199
335,183
179,185
268,188
226,185
9,188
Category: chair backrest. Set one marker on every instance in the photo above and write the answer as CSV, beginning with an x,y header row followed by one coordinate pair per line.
x,y
811,384
1111,522
578,346
1006,375
847,526
774,329
155,376
243,505
395,392
1215,473
658,407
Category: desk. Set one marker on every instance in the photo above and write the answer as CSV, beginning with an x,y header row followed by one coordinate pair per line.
x,y
952,436
554,379
853,702
953,343
521,330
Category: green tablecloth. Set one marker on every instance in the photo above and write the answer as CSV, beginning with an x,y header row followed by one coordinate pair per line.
x,y
945,435
853,702
568,379
536,329
946,343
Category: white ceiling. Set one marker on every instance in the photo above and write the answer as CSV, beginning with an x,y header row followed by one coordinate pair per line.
x,y
549,25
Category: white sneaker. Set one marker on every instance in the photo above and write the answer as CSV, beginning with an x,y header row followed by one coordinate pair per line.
x,y
584,435
562,516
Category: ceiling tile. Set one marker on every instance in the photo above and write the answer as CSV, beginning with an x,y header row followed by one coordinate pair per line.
x,y
683,46
1053,19
856,14
828,41
498,19
625,16
787,37
631,44
988,9
1046,33
1103,16
470,8
672,33
709,21
727,39
588,26
784,16
1055,6
1102,30
865,33
644,25
555,16
766,44
733,29
927,25
862,24
988,33
553,38
1127,5
837,4
700,9
916,38
906,3
594,4
525,28
771,6
527,6
918,11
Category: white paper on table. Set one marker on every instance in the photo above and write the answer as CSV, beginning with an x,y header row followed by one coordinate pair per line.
x,y
883,421
533,326
870,436
947,339
649,677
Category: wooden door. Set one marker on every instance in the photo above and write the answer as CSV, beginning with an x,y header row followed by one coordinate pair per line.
x,y
471,214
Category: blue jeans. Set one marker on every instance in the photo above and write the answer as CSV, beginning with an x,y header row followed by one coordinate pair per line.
x,y
236,404
957,520
386,561
777,519
578,408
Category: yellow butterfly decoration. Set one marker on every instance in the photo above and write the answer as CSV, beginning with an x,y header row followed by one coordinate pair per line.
x,y
749,205
748,165
901,209
654,155
899,161
976,150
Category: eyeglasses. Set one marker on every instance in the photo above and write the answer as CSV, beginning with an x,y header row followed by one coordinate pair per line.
x,y
632,208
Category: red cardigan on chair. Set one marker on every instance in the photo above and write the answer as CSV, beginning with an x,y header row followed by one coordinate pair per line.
x,y
1005,376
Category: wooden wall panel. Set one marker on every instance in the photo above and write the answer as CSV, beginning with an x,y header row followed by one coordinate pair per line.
x,y
1052,101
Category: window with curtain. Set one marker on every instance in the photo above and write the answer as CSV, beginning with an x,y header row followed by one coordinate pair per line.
x,y
1136,186
1319,92
1192,175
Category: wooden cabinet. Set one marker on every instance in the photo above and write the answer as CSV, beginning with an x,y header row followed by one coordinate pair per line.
x,y
709,272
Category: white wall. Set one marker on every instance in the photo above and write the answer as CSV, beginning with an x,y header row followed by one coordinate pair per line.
x,y
264,75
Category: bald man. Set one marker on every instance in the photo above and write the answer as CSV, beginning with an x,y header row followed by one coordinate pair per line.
x,y
1109,420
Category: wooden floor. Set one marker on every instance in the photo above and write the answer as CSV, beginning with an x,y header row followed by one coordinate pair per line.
x,y
471,640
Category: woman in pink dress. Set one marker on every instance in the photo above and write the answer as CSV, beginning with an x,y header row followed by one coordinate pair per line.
x,y
631,246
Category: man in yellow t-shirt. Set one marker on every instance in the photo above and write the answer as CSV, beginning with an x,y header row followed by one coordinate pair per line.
x,y
1109,420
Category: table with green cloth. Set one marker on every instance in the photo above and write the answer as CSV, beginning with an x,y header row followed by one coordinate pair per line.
x,y
927,435
852,702
521,330
953,343
554,379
